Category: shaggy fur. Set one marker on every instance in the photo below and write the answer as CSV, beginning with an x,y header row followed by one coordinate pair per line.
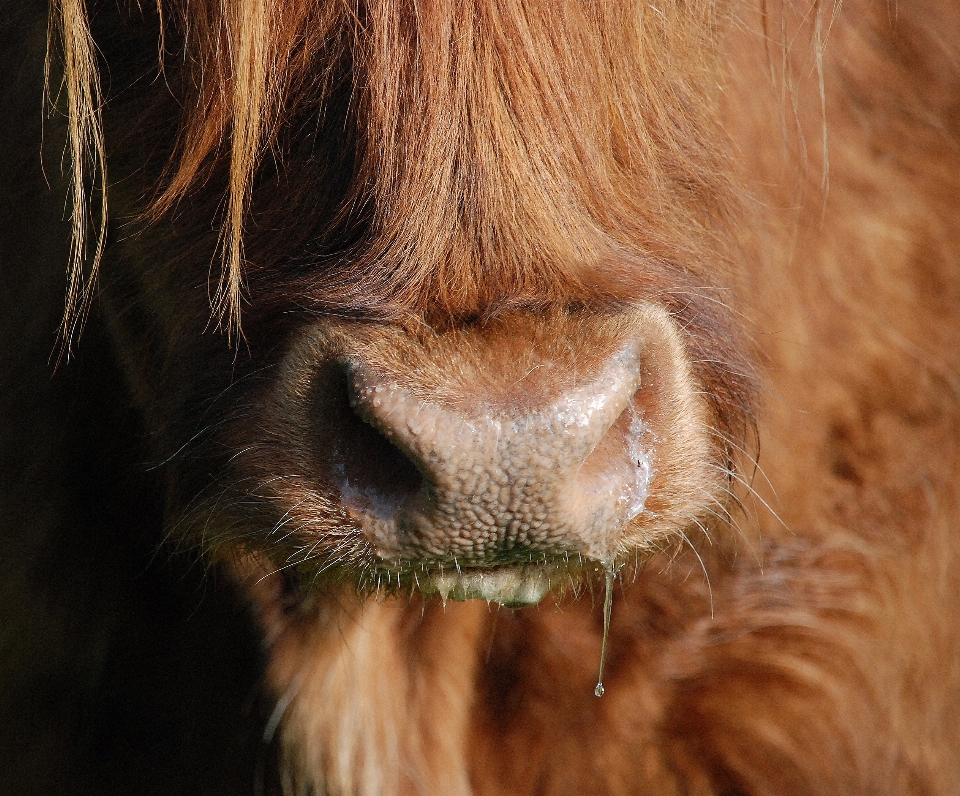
x,y
460,193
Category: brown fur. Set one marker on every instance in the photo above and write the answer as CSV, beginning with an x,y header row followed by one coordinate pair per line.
x,y
783,178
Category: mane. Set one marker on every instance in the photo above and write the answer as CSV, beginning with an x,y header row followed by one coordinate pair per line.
x,y
433,73
246,56
87,153
550,140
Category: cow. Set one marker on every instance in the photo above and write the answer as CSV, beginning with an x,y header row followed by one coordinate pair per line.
x,y
474,398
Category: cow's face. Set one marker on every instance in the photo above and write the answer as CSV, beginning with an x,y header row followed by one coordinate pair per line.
x,y
478,255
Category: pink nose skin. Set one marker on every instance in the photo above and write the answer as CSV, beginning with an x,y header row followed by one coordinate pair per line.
x,y
501,483
491,460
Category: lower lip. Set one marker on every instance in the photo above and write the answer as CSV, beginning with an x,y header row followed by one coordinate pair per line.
x,y
511,586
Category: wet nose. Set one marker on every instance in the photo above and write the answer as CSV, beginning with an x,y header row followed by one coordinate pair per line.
x,y
486,459
503,478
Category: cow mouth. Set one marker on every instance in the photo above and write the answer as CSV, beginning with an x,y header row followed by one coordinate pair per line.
x,y
506,581
514,585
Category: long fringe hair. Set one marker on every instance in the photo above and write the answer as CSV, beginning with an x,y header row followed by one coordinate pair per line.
x,y
449,68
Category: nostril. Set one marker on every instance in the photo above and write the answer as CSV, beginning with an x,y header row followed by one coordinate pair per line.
x,y
373,476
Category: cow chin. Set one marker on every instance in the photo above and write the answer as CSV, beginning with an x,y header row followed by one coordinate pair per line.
x,y
494,461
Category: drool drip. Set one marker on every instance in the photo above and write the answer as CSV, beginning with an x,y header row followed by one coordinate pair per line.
x,y
611,573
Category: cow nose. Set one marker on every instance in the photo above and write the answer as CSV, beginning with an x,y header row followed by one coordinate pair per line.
x,y
494,458
501,479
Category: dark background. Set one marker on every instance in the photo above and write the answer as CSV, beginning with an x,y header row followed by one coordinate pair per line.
x,y
124,669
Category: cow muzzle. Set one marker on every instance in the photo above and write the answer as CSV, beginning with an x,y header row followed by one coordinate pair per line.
x,y
489,461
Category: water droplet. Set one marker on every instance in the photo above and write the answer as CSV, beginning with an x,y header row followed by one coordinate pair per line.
x,y
610,573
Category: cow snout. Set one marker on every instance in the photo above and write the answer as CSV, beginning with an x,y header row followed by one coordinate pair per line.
x,y
483,461
506,481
